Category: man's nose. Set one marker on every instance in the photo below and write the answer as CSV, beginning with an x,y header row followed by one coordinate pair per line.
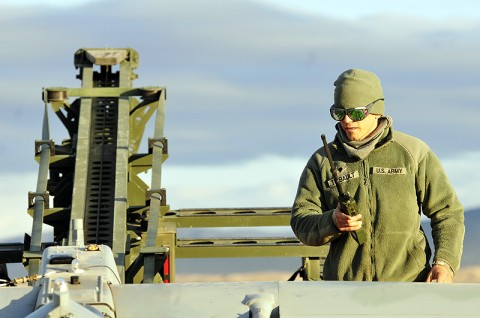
x,y
346,119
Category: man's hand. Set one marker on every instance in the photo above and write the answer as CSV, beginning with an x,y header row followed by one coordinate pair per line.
x,y
439,274
345,222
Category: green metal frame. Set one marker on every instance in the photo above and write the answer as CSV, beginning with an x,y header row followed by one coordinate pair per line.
x,y
142,228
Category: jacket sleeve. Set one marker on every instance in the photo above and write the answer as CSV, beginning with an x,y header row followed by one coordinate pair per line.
x,y
440,203
311,222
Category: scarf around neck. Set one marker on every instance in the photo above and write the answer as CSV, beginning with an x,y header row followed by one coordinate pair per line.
x,y
361,149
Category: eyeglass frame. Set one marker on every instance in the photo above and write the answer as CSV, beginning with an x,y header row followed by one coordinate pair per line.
x,y
367,108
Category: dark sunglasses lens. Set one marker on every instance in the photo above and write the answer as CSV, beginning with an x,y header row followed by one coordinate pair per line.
x,y
337,114
357,114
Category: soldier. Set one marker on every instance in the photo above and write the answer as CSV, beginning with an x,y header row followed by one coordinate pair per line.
x,y
394,178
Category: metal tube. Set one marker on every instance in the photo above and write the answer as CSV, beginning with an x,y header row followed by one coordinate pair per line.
x,y
39,206
155,199
77,232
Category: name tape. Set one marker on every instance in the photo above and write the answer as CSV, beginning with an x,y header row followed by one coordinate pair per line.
x,y
343,178
382,170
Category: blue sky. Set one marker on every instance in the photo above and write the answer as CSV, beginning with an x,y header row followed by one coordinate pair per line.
x,y
249,85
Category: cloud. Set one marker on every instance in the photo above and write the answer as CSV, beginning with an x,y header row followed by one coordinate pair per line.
x,y
240,90
48,3
364,9
272,181
14,188
267,181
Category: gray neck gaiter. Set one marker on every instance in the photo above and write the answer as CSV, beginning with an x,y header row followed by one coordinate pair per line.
x,y
361,148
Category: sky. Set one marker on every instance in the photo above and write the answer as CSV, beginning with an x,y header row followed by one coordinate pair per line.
x,y
249,84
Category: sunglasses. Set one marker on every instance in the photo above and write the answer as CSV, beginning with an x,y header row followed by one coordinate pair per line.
x,y
355,114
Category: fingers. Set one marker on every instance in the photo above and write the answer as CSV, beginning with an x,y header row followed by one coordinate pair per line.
x,y
350,226
430,278
345,222
439,274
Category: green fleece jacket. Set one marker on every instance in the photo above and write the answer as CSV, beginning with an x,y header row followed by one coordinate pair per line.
x,y
398,180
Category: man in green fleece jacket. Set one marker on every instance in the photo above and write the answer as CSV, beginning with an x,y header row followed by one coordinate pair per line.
x,y
394,178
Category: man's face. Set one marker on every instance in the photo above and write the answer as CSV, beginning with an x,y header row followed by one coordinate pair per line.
x,y
359,130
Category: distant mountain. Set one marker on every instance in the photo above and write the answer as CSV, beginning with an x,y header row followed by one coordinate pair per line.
x,y
471,244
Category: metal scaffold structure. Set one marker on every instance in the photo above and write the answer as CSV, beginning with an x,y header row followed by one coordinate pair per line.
x,y
94,181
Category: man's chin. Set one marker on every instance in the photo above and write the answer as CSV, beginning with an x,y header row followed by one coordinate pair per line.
x,y
354,137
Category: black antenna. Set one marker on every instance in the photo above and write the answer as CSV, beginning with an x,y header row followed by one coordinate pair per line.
x,y
332,167
347,204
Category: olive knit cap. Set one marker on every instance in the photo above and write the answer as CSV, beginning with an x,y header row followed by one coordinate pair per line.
x,y
356,87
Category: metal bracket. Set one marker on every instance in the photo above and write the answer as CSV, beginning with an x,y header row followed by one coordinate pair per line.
x,y
159,252
50,143
32,255
163,141
45,195
55,94
162,250
151,93
162,192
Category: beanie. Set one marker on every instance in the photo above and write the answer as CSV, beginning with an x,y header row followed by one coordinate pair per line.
x,y
355,88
